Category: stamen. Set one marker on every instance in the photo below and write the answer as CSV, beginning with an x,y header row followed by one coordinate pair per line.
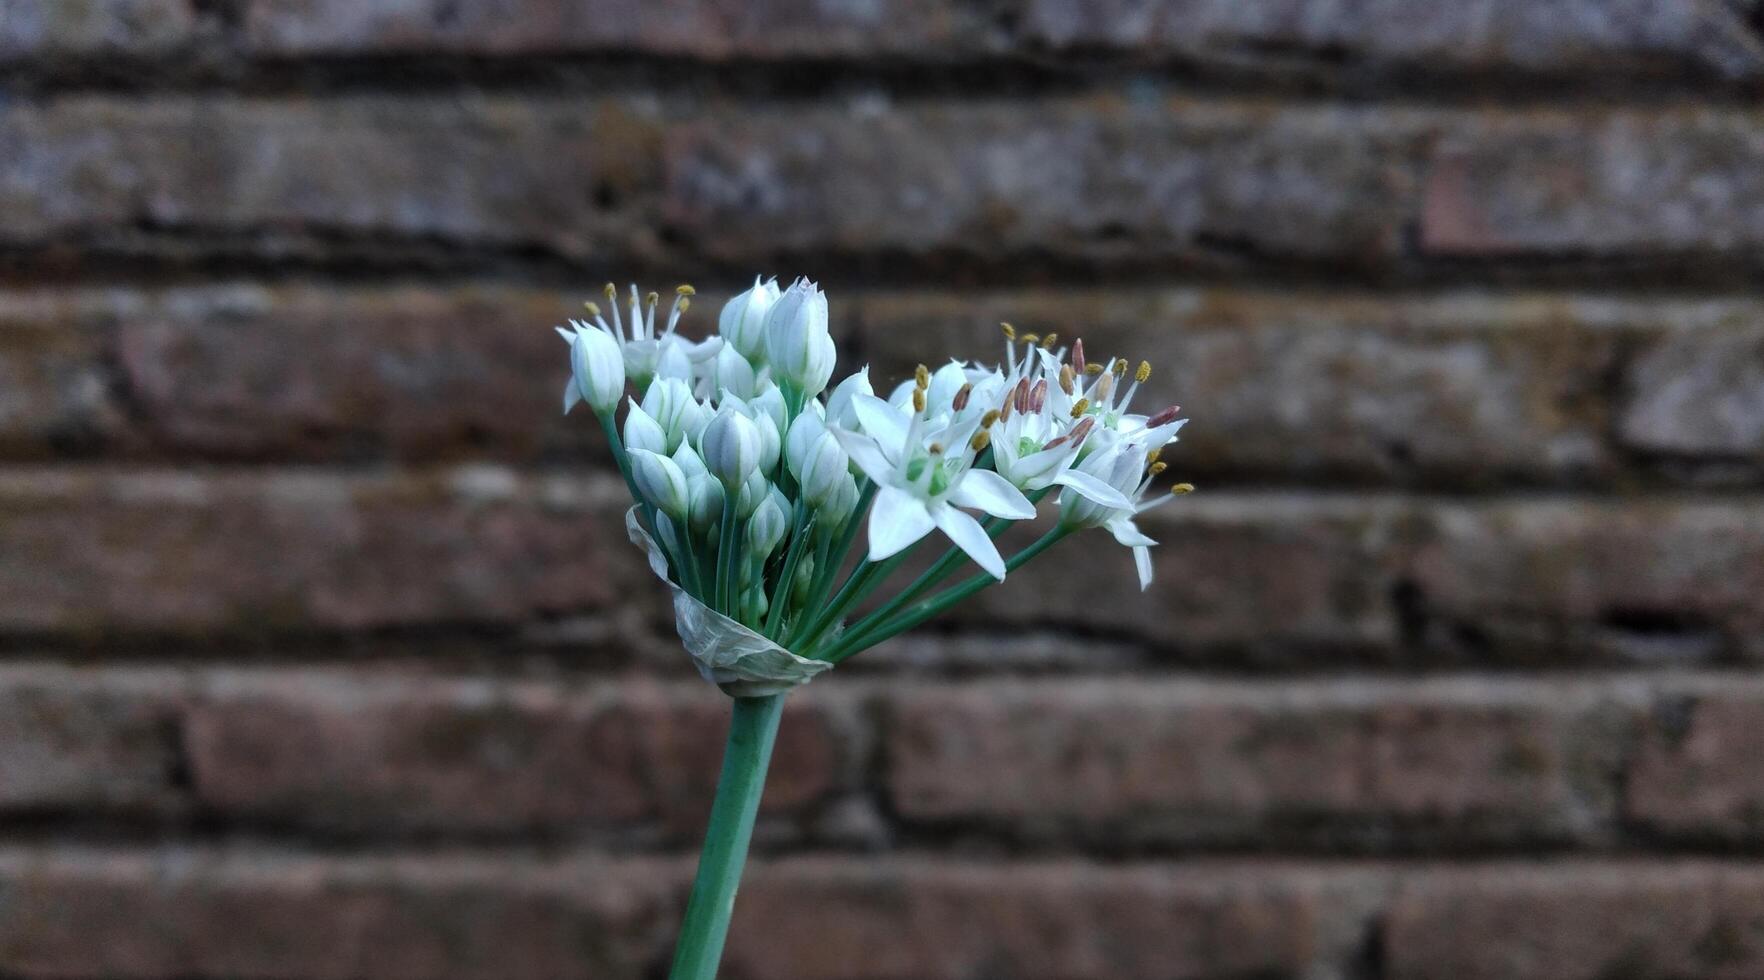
x,y
651,300
1144,373
922,376
1056,442
1066,378
918,399
960,401
991,418
1080,406
685,289
612,300
1182,488
1164,417
1031,339
1048,341
981,440
1022,395
1119,367
1093,369
685,304
592,308
612,294
1083,428
935,449
1010,332
1104,388
1078,364
1152,456
1157,468
1038,396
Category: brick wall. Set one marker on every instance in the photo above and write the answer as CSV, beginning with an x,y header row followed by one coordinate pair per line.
x,y
324,656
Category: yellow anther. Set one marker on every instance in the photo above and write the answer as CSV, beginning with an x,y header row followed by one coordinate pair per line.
x,y
1119,367
1152,456
990,419
1067,378
1144,373
1080,406
1010,332
592,308
1050,340
652,298
683,304
685,289
1031,338
1182,488
981,440
935,449
918,399
922,376
1093,369
1157,468
612,293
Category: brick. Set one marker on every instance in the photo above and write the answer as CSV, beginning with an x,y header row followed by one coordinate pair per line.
x,y
260,914
1554,579
1668,181
1578,921
98,552
86,741
1450,388
1130,180
919,919
41,29
371,756
56,394
1697,395
695,28
1264,574
1697,769
495,172
1361,762
1555,36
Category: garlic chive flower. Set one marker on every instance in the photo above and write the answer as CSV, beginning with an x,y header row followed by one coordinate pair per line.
x,y
756,467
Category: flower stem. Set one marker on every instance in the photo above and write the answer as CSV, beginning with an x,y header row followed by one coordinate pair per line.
x,y
752,729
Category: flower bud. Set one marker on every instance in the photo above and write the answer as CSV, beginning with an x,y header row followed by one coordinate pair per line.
x,y
731,447
839,410
768,525
661,483
825,470
705,506
770,402
838,506
743,320
805,580
597,369
804,432
690,462
643,432
753,493
731,373
771,443
672,360
670,403
797,344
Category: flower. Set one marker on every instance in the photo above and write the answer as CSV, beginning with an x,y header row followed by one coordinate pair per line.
x,y
1129,469
923,479
661,483
731,447
643,432
798,346
742,323
597,370
670,403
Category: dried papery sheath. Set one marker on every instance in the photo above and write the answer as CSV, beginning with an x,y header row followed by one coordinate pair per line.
x,y
738,660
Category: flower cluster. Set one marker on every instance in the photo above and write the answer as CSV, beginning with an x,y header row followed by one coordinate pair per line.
x,y
754,477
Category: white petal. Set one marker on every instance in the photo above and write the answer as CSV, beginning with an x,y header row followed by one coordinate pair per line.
x,y
572,394
1142,562
897,520
863,451
883,423
1089,486
969,536
987,491
1128,533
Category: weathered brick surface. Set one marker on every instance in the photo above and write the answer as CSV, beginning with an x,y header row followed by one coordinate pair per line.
x,y
76,740
98,552
340,753
1698,769
1551,36
1697,394
1577,922
930,920
1190,762
186,912
46,29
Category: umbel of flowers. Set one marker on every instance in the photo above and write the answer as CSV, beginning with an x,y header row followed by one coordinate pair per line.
x,y
754,476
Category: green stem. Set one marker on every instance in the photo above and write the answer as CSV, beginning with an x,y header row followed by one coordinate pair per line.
x,y
726,570
801,530
752,730
858,640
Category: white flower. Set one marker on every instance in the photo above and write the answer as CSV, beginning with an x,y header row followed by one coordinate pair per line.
x,y
922,479
742,323
661,483
597,370
643,432
1123,467
648,353
769,523
731,373
798,347
839,402
731,447
670,403
823,471
706,504
1034,446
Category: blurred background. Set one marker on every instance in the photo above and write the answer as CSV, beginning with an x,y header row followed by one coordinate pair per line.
x,y
325,656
